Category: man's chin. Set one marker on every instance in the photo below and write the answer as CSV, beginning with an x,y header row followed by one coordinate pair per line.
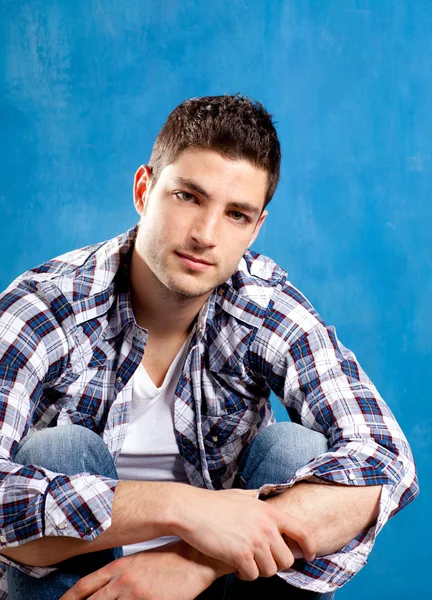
x,y
189,291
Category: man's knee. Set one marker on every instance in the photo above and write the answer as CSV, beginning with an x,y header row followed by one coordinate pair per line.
x,y
278,451
301,443
66,449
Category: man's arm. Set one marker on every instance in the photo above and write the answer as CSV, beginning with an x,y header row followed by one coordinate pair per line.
x,y
368,467
172,571
140,512
34,501
240,530
335,513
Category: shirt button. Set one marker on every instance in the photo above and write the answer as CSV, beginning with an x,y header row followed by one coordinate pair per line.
x,y
119,379
351,476
220,292
215,438
62,525
89,530
3,539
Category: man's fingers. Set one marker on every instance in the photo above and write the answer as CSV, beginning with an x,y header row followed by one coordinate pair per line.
x,y
266,563
88,585
301,533
248,571
282,554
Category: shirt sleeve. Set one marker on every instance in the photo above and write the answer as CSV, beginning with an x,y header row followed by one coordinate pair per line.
x,y
324,388
34,501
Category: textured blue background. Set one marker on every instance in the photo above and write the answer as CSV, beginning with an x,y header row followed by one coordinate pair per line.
x,y
85,87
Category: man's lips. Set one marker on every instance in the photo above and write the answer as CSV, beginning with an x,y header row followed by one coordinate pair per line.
x,y
198,264
195,258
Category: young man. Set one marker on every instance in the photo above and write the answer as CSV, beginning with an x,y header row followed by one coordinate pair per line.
x,y
149,359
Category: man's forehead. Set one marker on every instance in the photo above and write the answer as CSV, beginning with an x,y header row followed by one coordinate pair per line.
x,y
204,155
199,164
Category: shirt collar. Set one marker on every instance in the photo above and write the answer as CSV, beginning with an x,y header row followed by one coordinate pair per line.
x,y
121,315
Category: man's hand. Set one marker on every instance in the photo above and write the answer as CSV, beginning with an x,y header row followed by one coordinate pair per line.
x,y
172,571
236,528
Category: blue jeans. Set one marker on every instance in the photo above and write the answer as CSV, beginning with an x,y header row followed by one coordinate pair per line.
x,y
275,455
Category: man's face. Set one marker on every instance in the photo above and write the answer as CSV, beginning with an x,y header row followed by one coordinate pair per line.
x,y
198,219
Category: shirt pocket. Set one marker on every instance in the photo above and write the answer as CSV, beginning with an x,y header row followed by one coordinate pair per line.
x,y
83,400
224,429
225,437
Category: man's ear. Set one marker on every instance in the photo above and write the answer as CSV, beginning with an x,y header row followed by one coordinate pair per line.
x,y
140,187
258,226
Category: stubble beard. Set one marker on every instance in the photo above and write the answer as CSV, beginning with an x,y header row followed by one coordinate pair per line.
x,y
170,285
174,283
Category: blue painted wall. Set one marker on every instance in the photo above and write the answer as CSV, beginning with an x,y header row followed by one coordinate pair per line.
x,y
85,87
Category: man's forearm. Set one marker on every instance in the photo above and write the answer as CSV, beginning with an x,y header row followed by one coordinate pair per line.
x,y
141,511
147,510
336,513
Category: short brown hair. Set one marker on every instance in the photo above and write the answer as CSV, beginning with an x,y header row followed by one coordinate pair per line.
x,y
233,125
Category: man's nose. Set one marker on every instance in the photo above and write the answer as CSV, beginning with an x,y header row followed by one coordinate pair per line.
x,y
205,230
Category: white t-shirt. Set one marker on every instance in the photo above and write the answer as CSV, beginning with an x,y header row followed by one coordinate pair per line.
x,y
150,451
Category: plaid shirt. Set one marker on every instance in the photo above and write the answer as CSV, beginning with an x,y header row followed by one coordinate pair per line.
x,y
69,346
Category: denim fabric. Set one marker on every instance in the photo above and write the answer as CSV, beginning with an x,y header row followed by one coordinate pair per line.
x,y
274,456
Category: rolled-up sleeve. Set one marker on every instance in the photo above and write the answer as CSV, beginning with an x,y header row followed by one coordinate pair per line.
x,y
324,388
36,502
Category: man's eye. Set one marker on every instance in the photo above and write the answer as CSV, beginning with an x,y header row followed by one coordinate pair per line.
x,y
186,196
238,216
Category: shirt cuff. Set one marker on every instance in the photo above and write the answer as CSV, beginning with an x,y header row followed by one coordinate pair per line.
x,y
330,572
78,506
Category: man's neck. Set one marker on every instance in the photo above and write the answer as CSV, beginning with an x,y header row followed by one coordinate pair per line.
x,y
157,309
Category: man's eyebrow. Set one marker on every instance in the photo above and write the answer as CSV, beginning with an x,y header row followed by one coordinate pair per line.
x,y
192,186
245,206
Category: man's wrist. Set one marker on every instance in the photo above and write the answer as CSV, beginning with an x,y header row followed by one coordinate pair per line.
x,y
180,500
171,508
277,501
211,568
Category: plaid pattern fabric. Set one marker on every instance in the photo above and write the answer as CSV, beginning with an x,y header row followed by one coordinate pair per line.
x,y
69,346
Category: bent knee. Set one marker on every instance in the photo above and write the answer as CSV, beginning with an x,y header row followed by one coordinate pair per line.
x,y
294,437
67,449
279,451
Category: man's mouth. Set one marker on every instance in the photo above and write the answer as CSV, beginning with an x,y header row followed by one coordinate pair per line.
x,y
193,262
